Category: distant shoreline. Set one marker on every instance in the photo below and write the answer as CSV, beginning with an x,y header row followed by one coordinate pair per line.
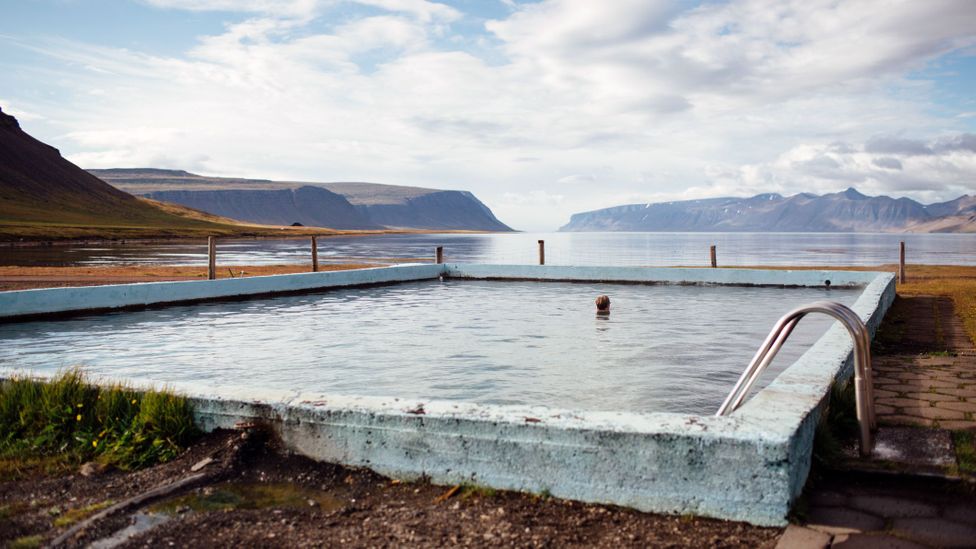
x,y
289,235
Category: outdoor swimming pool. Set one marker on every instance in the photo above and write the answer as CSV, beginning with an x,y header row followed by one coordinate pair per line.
x,y
664,347
497,375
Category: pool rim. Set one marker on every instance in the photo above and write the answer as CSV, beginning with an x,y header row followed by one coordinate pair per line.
x,y
774,427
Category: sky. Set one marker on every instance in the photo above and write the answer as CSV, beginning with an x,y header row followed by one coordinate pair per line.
x,y
542,109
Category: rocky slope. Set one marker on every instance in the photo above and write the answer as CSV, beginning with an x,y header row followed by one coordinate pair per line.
x,y
366,205
308,206
39,188
848,211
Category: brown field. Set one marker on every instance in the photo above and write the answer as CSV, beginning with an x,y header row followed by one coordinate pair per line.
x,y
25,278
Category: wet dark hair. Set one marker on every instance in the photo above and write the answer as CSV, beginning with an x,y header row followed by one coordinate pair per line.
x,y
603,302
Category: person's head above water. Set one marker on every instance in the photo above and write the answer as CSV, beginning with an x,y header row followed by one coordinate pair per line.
x,y
603,304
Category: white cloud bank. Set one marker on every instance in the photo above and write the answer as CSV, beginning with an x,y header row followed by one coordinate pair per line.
x,y
574,105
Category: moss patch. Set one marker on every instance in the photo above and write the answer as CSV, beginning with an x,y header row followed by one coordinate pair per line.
x,y
72,516
26,542
965,443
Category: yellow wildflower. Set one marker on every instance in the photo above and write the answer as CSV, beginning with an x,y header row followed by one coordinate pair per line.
x,y
78,417
95,443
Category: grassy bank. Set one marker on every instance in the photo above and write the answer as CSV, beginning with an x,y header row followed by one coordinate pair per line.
x,y
958,283
69,420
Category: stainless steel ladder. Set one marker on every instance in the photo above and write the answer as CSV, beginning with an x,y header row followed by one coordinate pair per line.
x,y
863,383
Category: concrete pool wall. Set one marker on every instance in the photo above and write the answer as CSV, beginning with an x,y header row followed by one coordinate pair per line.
x,y
748,466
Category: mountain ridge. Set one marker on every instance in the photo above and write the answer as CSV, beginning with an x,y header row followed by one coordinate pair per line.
x,y
44,195
845,211
377,205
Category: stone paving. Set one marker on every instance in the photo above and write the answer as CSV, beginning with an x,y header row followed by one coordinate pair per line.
x,y
858,511
925,377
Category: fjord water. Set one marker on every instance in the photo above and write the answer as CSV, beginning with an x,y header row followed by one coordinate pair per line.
x,y
658,249
662,348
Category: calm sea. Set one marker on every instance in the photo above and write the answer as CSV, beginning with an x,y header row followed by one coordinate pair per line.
x,y
659,249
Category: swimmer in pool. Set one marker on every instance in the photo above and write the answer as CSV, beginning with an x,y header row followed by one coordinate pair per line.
x,y
603,305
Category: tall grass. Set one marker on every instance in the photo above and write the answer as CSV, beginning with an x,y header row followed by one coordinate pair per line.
x,y
68,416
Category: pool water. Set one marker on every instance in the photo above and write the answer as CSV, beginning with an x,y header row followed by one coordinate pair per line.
x,y
662,348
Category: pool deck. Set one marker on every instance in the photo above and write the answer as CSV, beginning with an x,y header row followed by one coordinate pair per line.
x,y
909,493
748,466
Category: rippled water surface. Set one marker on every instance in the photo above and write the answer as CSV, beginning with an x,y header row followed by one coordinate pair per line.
x,y
663,348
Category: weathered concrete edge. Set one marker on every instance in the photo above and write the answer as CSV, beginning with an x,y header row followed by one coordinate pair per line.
x,y
800,392
745,467
666,275
15,305
667,463
47,301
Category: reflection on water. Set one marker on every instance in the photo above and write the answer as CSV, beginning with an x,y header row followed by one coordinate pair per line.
x,y
521,248
663,348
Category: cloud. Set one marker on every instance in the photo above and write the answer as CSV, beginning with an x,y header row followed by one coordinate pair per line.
x,y
725,56
559,106
887,162
962,142
281,8
421,9
926,170
577,179
21,115
897,145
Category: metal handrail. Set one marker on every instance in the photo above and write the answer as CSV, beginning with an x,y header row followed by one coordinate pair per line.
x,y
863,382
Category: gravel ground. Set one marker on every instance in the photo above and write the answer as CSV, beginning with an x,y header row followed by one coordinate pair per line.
x,y
292,501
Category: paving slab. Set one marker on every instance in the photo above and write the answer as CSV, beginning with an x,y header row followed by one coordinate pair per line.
x,y
958,406
936,531
897,402
927,411
929,396
873,541
798,537
966,514
842,520
957,392
891,507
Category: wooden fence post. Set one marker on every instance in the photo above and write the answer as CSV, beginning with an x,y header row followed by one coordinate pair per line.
x,y
315,255
439,254
211,258
714,259
542,252
901,264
